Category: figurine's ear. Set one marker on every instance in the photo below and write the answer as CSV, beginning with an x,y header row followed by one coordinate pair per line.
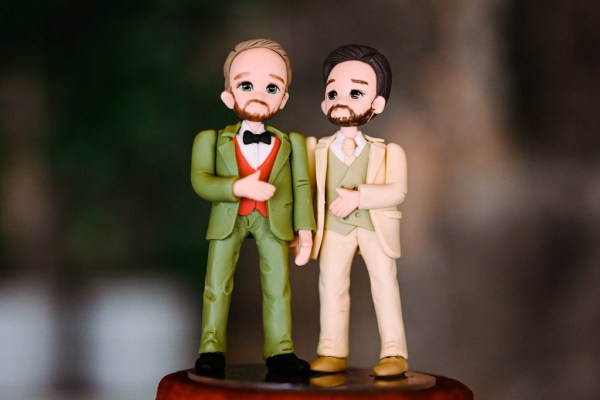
x,y
323,107
284,100
228,99
378,105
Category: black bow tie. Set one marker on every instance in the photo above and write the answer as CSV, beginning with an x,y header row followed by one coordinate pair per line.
x,y
250,137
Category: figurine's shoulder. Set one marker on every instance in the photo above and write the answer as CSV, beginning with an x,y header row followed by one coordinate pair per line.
x,y
372,139
205,137
298,141
378,142
207,132
295,136
213,134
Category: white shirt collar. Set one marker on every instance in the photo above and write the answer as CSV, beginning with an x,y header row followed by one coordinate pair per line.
x,y
336,145
360,140
246,127
254,153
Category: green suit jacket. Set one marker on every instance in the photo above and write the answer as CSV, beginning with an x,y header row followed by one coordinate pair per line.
x,y
214,171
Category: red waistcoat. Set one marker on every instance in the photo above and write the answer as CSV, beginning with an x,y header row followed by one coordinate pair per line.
x,y
248,205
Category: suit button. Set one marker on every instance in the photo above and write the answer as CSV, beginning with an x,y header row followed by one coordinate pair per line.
x,y
357,214
230,211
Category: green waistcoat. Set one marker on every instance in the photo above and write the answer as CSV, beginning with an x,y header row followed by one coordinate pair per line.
x,y
339,175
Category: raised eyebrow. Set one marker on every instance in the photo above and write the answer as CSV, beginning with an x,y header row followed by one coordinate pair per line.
x,y
330,81
360,82
277,77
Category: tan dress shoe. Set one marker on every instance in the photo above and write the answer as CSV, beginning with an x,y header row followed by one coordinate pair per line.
x,y
326,364
329,380
390,366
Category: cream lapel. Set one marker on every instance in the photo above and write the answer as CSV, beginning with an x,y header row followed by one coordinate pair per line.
x,y
376,157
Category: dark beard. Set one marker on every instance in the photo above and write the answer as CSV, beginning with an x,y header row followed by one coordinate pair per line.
x,y
352,120
253,117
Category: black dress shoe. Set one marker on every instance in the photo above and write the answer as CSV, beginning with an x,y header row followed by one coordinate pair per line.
x,y
287,365
211,364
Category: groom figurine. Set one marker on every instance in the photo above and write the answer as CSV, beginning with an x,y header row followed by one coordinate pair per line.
x,y
256,178
360,182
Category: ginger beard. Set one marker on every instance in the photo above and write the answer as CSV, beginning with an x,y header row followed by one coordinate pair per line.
x,y
352,119
253,116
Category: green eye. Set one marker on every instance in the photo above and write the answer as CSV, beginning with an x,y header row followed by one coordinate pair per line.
x,y
246,86
272,89
356,94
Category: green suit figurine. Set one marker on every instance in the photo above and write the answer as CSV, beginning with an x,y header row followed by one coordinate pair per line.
x,y
256,178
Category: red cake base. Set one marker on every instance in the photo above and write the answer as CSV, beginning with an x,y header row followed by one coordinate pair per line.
x,y
249,382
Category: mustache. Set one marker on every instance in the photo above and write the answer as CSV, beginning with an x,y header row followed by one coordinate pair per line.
x,y
352,119
256,101
255,117
340,107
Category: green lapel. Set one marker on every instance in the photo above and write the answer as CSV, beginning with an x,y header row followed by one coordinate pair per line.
x,y
226,147
283,153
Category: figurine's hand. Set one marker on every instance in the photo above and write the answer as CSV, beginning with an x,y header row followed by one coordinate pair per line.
x,y
346,202
302,246
251,187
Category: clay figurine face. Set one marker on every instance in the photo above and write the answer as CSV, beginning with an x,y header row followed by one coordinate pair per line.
x,y
351,94
258,81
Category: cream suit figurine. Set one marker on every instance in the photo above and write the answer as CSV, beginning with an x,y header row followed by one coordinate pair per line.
x,y
360,182
256,178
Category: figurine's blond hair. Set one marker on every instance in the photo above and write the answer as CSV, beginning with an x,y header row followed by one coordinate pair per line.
x,y
257,44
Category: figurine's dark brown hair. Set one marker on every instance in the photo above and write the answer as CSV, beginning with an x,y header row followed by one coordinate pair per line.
x,y
257,44
368,55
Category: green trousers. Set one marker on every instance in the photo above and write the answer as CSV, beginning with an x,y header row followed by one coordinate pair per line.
x,y
222,259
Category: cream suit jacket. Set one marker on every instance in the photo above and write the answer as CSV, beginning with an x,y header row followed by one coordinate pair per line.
x,y
384,190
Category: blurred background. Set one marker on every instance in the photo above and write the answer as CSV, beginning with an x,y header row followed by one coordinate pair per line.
x,y
102,245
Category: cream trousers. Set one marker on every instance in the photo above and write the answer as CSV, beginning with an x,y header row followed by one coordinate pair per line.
x,y
336,256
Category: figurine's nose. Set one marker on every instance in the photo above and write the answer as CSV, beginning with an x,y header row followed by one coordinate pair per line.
x,y
261,95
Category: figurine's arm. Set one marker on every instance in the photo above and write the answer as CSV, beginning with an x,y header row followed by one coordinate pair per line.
x,y
304,219
376,195
311,144
212,187
205,182
251,187
302,246
303,209
393,191
346,202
